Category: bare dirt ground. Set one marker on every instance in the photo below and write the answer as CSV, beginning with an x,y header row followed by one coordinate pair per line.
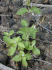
x,y
9,20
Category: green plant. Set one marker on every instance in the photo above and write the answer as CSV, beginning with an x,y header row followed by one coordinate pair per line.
x,y
23,43
25,10
17,43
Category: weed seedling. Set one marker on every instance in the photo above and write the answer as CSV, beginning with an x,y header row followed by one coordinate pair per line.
x,y
22,44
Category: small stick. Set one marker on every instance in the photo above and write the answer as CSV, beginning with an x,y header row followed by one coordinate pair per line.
x,y
39,5
44,27
43,61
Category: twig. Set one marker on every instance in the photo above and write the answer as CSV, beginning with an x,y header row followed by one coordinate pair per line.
x,y
43,61
39,5
4,15
44,27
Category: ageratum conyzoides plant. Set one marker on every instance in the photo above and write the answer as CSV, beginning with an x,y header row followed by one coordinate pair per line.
x,y
22,44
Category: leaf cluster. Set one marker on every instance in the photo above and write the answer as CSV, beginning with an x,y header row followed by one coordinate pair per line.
x,y
25,10
17,43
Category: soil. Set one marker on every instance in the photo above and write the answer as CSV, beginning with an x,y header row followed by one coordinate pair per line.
x,y
9,20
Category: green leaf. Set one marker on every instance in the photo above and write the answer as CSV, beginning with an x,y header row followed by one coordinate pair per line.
x,y
20,46
24,23
5,33
36,51
28,4
24,62
8,45
17,58
28,0
35,9
20,32
33,42
33,26
23,58
7,39
33,35
28,56
11,32
12,50
17,39
33,32
24,29
26,43
25,36
29,47
22,53
22,11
